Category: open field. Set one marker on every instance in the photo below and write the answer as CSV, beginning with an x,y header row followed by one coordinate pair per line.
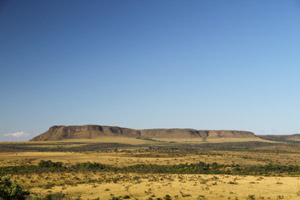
x,y
214,140
143,186
134,141
126,171
146,156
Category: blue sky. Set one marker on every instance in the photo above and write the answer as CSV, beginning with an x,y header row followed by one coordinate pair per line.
x,y
209,64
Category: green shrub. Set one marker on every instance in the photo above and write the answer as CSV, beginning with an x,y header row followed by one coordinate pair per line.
x,y
11,190
167,197
55,196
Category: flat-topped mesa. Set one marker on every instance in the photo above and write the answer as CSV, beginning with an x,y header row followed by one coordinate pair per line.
x,y
84,132
94,131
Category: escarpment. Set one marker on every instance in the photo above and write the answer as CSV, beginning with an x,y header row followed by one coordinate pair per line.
x,y
95,131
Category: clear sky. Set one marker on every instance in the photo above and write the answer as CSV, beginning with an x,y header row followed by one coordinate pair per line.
x,y
209,64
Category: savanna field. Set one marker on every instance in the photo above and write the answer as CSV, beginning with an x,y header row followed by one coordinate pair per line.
x,y
131,168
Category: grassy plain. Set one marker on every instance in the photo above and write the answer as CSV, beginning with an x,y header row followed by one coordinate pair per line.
x,y
120,152
143,186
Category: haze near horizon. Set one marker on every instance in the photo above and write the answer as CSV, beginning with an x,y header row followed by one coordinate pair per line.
x,y
229,65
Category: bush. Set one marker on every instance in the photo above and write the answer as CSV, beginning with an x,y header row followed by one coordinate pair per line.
x,y
251,197
167,197
55,196
11,190
49,164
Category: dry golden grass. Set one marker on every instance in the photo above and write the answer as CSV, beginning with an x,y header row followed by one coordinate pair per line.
x,y
134,157
141,186
214,140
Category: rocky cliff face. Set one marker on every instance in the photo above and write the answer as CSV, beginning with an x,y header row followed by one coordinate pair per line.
x,y
94,131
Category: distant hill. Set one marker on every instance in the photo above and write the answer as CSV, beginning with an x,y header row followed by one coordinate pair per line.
x,y
294,137
281,138
95,131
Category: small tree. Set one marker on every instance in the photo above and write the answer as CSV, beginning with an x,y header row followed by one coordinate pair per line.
x,y
11,190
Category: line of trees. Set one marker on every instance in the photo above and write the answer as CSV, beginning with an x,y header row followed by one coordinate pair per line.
x,y
197,168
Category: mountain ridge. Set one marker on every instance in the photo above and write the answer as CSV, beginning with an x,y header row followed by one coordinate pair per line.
x,y
94,131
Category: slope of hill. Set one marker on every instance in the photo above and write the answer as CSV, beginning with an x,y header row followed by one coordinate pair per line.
x,y
295,137
94,131
282,138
